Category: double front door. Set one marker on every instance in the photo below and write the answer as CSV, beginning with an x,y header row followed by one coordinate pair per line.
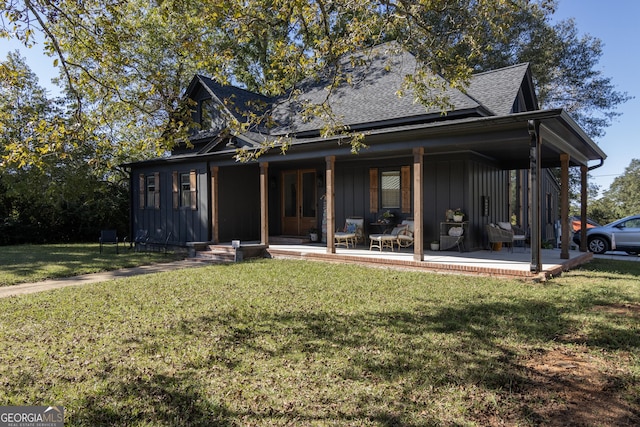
x,y
299,202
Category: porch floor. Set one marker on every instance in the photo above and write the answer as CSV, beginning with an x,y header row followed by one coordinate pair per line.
x,y
502,263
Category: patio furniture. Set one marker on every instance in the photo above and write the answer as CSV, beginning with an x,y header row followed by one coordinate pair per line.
x,y
504,232
382,241
352,233
405,238
452,235
141,240
108,237
144,240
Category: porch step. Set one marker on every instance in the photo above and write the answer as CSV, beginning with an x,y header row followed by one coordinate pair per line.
x,y
227,253
289,240
221,256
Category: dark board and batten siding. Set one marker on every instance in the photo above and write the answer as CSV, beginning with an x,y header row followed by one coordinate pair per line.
x,y
450,181
182,223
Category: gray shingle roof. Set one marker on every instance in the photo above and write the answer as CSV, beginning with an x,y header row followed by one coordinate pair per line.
x,y
497,90
236,100
369,99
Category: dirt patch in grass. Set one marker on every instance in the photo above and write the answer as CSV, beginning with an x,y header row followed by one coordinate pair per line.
x,y
632,310
574,388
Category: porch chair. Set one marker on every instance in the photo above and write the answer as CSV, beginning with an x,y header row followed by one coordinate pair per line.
x,y
108,237
504,232
352,233
141,240
405,238
389,240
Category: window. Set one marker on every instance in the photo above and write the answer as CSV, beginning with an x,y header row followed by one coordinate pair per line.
x,y
632,223
206,116
185,190
151,191
390,189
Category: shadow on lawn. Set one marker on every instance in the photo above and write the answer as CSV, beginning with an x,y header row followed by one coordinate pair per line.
x,y
417,354
151,400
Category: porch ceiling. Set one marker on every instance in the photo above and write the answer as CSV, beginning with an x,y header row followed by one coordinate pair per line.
x,y
504,140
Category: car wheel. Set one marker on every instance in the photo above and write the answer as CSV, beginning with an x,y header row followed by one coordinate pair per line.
x,y
598,245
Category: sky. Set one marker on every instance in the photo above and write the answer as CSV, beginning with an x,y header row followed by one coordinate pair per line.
x,y
613,21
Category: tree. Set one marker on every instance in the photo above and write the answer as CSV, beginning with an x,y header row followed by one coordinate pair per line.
x,y
62,195
623,192
564,66
126,62
565,71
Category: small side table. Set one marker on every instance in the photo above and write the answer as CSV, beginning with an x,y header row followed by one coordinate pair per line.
x,y
382,241
380,227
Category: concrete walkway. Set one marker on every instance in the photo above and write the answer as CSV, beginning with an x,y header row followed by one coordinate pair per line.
x,y
84,279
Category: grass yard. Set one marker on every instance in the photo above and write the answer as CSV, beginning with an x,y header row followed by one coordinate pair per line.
x,y
283,342
33,263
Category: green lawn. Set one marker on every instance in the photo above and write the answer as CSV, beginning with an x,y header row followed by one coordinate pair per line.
x,y
282,342
32,263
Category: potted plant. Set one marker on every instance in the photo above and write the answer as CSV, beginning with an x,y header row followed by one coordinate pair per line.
x,y
435,245
313,234
387,217
458,215
449,215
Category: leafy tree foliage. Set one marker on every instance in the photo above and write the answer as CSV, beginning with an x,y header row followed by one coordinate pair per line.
x,y
62,196
127,62
124,65
622,196
564,66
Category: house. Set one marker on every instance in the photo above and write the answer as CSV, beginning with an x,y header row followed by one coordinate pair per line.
x,y
488,155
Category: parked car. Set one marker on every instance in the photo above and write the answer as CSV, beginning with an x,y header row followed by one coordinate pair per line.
x,y
575,223
621,235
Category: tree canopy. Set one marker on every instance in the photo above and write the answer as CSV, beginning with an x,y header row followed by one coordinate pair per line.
x,y
63,195
621,199
124,64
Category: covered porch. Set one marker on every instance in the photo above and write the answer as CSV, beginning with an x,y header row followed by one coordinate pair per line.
x,y
504,264
527,141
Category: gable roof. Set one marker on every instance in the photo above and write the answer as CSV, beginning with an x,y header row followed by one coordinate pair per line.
x,y
368,97
494,117
497,90
235,101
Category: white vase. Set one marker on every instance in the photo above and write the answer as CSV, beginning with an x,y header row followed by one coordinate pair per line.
x,y
457,218
435,246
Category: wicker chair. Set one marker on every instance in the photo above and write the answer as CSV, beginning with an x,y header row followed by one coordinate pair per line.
x,y
504,233
401,235
352,233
